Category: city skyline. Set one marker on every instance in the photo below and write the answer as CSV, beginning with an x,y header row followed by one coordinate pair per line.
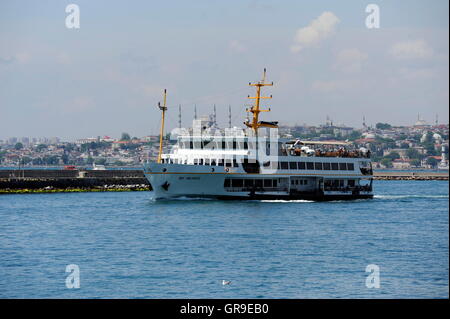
x,y
109,75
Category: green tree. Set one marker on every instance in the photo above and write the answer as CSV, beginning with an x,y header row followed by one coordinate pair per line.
x,y
18,146
383,126
393,156
125,137
432,161
387,162
41,147
100,161
413,154
415,162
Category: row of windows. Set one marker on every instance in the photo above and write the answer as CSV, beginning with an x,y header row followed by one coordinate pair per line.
x,y
220,162
338,183
316,166
234,145
299,182
237,182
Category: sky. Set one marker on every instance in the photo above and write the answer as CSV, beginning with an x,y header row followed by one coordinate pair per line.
x,y
107,76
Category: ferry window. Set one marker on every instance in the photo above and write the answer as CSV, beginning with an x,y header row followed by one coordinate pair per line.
x,y
227,182
235,164
248,182
341,183
266,164
224,145
206,161
301,165
292,182
258,182
237,182
197,145
195,161
350,166
342,166
201,162
213,162
274,165
334,166
274,183
326,166
279,165
245,146
228,163
309,165
191,145
284,165
220,162
234,145
267,183
351,182
318,166
305,182
292,165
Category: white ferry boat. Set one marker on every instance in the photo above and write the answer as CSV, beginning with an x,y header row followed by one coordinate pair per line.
x,y
255,163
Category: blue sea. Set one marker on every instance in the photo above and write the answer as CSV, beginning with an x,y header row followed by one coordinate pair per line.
x,y
128,246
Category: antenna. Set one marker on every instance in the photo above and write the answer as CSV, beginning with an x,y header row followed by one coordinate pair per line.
x,y
215,115
163,108
229,116
179,116
195,111
255,124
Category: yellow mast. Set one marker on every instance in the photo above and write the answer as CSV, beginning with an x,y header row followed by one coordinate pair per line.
x,y
255,124
163,108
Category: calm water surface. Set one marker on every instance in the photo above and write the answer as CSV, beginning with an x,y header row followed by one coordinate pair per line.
x,y
128,246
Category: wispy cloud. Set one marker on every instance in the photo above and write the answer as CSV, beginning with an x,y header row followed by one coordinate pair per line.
x,y
350,60
318,30
417,49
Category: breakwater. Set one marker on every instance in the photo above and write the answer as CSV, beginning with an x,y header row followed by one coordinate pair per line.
x,y
409,175
49,181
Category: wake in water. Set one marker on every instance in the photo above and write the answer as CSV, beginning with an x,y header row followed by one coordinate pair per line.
x,y
409,196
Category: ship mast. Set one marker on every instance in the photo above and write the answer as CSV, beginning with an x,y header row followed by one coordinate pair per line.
x,y
255,124
163,108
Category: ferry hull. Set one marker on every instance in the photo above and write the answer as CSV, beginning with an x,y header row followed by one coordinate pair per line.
x,y
195,181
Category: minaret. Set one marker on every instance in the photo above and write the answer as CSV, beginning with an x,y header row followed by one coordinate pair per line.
x,y
195,111
214,116
179,116
229,116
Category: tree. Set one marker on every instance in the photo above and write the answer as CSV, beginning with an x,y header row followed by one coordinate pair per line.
x,y
41,147
415,162
125,137
386,162
432,161
100,161
383,126
393,156
413,154
18,146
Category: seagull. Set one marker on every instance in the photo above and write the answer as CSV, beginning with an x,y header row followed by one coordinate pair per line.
x,y
226,282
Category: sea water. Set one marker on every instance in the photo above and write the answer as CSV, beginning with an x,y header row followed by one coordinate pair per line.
x,y
125,245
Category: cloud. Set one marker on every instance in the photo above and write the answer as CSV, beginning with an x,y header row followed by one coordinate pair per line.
x,y
318,30
417,49
350,60
334,85
236,46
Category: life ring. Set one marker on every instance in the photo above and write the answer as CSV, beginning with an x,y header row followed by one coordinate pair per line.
x,y
227,169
